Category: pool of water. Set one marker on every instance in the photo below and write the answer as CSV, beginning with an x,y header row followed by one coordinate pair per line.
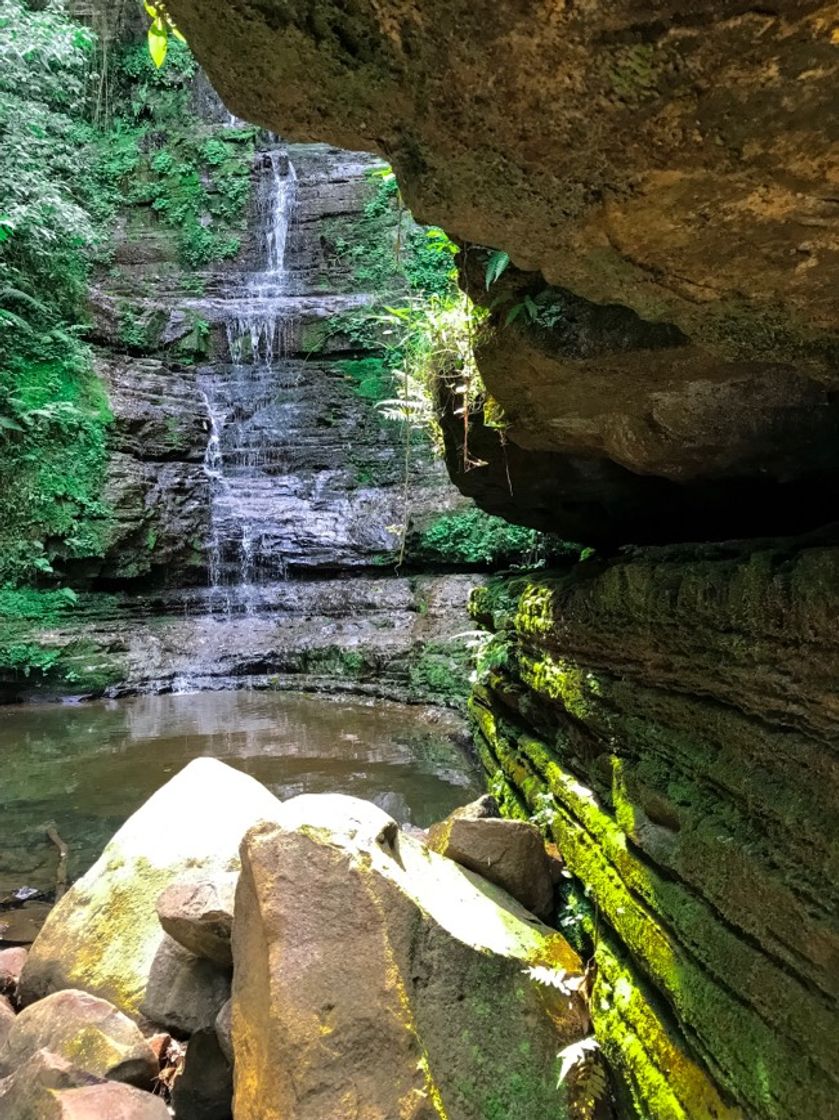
x,y
87,767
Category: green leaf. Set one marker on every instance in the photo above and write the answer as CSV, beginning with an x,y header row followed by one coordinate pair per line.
x,y
496,266
158,42
7,424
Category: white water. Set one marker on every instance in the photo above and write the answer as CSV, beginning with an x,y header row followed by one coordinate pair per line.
x,y
259,328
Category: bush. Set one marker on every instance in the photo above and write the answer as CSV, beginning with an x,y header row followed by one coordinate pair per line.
x,y
474,538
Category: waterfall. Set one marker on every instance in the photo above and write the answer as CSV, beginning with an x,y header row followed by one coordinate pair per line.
x,y
242,447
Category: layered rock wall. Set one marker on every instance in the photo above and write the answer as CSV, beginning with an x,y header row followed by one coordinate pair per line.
x,y
673,723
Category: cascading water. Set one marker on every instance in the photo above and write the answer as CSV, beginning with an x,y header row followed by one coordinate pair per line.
x,y
242,446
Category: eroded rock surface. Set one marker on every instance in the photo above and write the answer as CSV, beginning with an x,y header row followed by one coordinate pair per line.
x,y
674,719
375,977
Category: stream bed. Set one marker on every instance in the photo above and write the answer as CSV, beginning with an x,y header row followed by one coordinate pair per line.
x,y
88,767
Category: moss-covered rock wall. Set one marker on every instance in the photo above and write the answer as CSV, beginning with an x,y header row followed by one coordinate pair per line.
x,y
670,721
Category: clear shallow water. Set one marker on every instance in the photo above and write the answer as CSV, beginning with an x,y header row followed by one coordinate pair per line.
x,y
87,767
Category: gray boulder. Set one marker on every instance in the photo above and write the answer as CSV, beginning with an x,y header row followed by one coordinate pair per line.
x,y
184,993
104,934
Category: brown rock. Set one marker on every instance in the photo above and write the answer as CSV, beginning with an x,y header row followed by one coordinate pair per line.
x,y
28,1093
86,1031
374,978
108,1101
159,1044
510,854
199,916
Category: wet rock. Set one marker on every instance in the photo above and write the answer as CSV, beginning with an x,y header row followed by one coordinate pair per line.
x,y
184,993
22,926
509,853
374,976
199,916
84,1030
204,1090
104,935
224,1026
11,966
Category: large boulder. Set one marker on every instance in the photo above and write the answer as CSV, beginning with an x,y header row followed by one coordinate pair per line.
x,y
198,914
184,993
375,978
509,853
104,935
86,1031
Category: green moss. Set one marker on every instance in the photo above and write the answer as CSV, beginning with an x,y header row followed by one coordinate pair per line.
x,y
439,672
371,378
674,937
158,154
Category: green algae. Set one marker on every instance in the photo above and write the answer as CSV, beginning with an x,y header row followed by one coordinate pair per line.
x,y
747,1054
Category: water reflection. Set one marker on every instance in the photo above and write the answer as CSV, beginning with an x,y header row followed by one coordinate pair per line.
x,y
88,767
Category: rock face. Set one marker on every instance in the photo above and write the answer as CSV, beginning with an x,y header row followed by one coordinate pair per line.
x,y
311,476
510,854
662,167
86,1031
380,635
373,977
104,936
232,469
674,719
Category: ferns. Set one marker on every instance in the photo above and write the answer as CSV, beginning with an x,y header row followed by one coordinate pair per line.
x,y
584,1072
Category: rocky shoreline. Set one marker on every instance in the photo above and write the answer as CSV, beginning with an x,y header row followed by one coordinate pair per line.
x,y
231,955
